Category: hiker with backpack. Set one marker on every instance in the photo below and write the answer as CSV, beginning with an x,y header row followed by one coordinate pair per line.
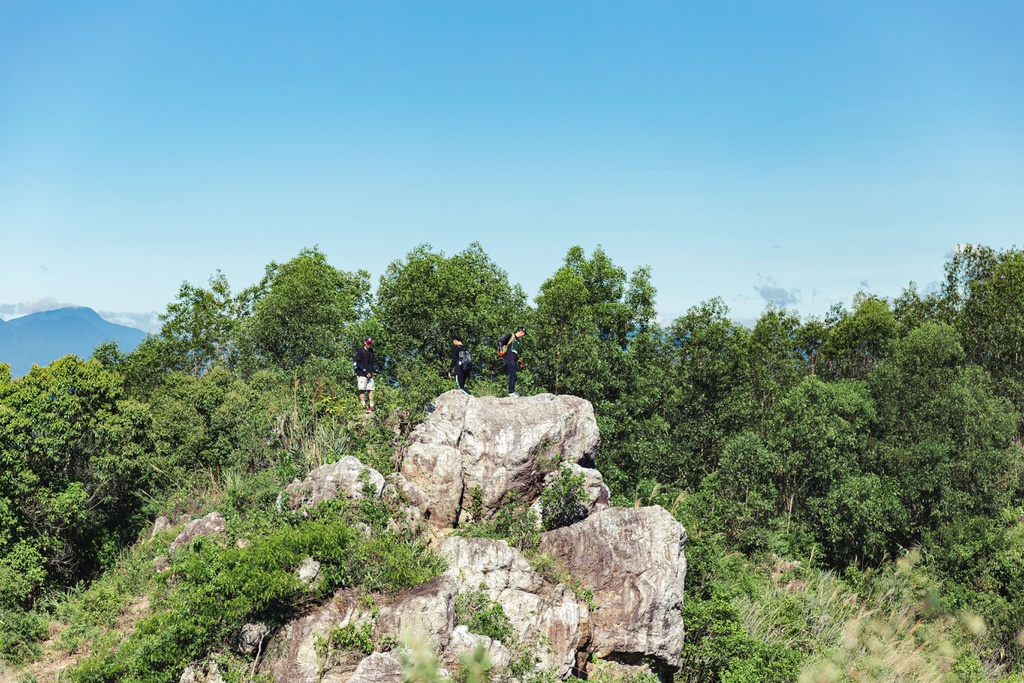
x,y
509,348
363,364
462,363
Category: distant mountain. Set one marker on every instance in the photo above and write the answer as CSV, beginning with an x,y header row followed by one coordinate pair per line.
x,y
41,338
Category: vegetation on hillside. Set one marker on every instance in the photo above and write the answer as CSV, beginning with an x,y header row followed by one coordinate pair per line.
x,y
850,485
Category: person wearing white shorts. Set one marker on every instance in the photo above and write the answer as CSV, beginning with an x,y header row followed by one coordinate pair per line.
x,y
364,367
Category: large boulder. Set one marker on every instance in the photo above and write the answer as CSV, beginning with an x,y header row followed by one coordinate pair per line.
x,y
505,447
540,611
425,613
347,478
632,560
296,652
212,524
380,667
301,652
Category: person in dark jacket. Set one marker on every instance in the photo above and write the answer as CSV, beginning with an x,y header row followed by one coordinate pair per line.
x,y
364,366
511,349
461,363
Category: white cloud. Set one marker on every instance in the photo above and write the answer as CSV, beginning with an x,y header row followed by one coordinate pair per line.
x,y
958,249
773,293
32,306
147,322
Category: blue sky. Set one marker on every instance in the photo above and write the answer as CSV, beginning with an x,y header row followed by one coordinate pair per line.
x,y
758,151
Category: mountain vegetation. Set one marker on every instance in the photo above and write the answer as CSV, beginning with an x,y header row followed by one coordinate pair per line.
x,y
851,486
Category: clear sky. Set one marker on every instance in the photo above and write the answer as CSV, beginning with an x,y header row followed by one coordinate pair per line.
x,y
794,152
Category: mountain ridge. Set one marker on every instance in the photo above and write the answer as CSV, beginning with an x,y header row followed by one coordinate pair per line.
x,y
41,338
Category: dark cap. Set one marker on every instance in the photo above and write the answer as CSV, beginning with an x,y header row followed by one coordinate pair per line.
x,y
367,341
521,329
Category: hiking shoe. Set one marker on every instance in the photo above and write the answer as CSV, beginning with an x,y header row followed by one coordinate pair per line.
x,y
371,409
514,394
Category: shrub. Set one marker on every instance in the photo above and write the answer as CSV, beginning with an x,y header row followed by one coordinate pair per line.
x,y
20,633
564,501
212,591
482,616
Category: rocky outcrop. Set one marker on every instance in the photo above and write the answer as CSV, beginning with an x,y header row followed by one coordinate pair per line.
x,y
250,639
347,478
502,447
476,455
206,672
540,611
297,653
632,560
380,667
464,643
210,525
424,613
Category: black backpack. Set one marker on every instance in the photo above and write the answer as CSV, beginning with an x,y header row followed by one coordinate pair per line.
x,y
465,360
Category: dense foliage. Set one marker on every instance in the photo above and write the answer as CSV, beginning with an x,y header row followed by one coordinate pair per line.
x,y
828,471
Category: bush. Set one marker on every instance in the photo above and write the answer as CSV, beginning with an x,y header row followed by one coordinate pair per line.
x,y
216,590
20,633
564,501
483,616
514,523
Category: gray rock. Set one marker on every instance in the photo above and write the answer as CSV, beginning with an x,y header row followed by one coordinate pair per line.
x,y
431,478
380,667
347,478
424,613
212,524
504,446
250,639
540,612
161,524
632,559
463,642
292,653
309,571
205,672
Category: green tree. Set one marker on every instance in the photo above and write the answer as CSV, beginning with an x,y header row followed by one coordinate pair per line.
x,y
588,317
821,433
707,397
777,360
300,309
946,436
200,325
211,423
857,341
425,298
991,322
73,469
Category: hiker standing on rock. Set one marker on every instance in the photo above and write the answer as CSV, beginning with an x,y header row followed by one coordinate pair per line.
x,y
364,366
509,348
462,363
